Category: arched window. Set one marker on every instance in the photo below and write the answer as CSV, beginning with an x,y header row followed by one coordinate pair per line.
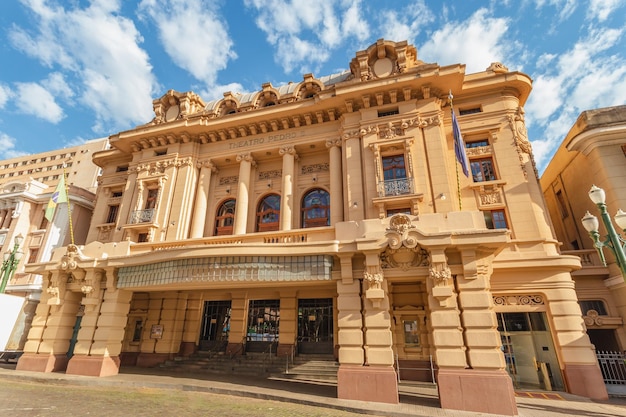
x,y
225,218
316,208
268,213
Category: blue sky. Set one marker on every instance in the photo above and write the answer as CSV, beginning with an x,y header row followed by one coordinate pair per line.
x,y
77,70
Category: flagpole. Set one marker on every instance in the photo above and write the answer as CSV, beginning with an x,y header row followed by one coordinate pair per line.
x,y
69,211
456,165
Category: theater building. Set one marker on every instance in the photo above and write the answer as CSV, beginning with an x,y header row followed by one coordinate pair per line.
x,y
592,153
328,215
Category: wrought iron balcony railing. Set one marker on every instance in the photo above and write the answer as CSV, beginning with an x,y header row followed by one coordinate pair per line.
x,y
142,216
397,186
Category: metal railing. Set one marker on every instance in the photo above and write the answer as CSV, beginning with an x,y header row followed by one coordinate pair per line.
x,y
290,356
398,186
613,367
141,216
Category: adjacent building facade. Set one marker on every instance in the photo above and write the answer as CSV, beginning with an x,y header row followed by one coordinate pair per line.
x,y
328,215
592,153
26,186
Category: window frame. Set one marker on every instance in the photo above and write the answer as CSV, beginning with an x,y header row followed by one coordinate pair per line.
x,y
264,210
316,221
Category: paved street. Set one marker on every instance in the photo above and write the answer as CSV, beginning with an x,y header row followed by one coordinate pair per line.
x,y
35,399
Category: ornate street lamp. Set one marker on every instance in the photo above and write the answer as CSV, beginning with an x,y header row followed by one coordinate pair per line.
x,y
613,240
10,260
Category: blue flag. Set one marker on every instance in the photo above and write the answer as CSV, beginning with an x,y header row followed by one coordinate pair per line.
x,y
459,145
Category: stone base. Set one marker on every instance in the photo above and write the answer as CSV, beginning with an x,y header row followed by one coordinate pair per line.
x,y
42,362
187,348
128,358
234,349
586,381
284,349
93,365
367,383
148,360
477,390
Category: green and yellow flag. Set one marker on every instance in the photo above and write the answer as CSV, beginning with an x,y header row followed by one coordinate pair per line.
x,y
59,196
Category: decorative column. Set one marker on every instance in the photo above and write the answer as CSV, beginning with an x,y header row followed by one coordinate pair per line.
x,y
243,193
577,355
286,201
105,342
238,325
377,381
354,176
485,386
49,337
350,330
336,181
193,318
288,322
202,196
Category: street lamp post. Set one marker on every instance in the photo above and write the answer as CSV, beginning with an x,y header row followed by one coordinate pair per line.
x,y
613,240
10,260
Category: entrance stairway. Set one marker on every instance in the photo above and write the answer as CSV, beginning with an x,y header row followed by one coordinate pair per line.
x,y
262,365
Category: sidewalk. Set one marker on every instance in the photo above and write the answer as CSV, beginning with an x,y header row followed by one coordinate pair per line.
x,y
415,399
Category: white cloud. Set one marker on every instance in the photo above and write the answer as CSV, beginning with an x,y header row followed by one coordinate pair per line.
x,y
107,69
34,99
5,95
405,24
305,32
585,77
565,7
193,35
476,42
601,9
7,147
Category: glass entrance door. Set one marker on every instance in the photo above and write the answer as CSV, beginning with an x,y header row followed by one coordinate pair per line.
x,y
263,323
315,325
528,350
215,325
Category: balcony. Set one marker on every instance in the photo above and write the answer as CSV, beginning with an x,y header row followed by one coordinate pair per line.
x,y
590,260
307,237
142,216
398,186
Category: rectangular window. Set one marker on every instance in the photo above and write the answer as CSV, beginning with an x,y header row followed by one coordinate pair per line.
x,y
151,199
404,210
463,112
121,168
142,237
482,169
32,256
138,330
393,167
597,305
411,332
561,202
395,181
388,112
116,194
495,219
477,144
112,216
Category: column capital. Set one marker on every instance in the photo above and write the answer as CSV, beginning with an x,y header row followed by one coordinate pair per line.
x,y
333,143
288,150
206,163
246,156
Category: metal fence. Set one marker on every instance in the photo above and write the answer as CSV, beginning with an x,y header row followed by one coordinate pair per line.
x,y
613,366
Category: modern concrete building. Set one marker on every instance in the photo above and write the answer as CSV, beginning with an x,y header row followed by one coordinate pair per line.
x,y
592,153
26,186
328,215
